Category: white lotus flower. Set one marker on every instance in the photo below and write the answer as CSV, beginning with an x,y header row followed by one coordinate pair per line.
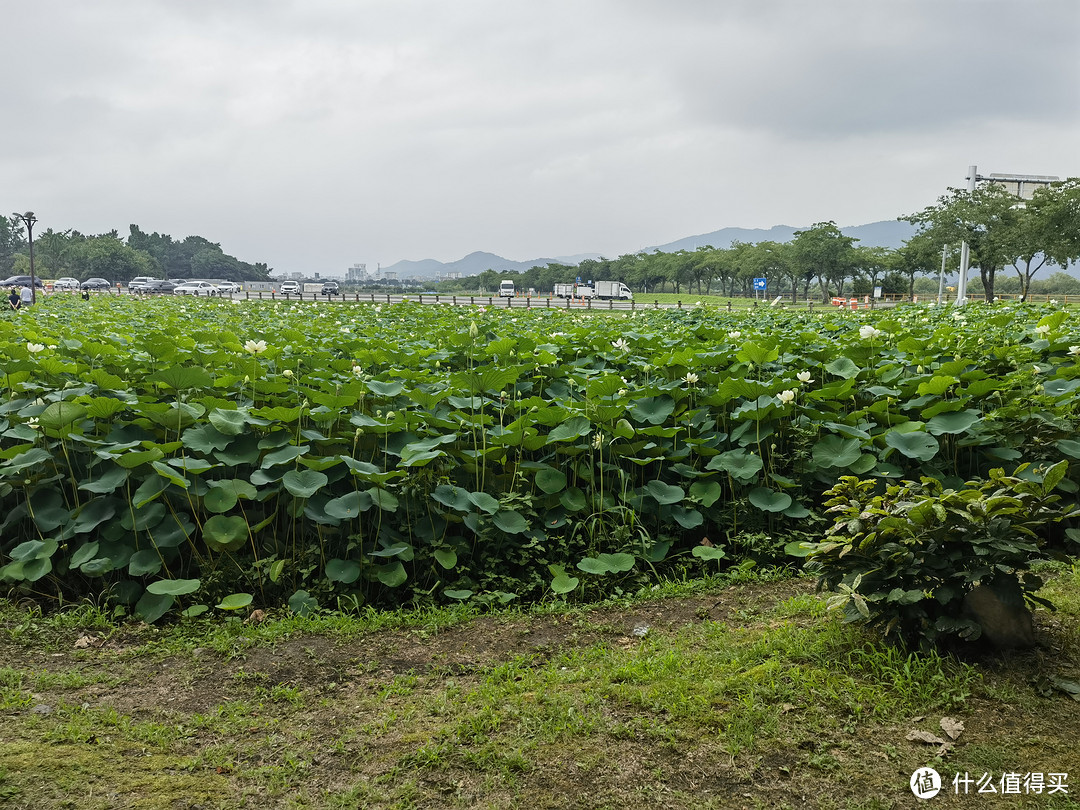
x,y
1053,300
597,441
804,376
734,335
287,372
1074,350
358,371
34,348
622,393
474,330
1036,370
1042,329
786,397
868,332
621,345
32,423
255,347
691,378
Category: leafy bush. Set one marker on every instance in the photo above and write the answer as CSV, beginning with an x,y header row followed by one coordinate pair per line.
x,y
905,559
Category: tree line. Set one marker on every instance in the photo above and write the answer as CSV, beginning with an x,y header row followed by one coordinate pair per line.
x,y
1003,233
73,254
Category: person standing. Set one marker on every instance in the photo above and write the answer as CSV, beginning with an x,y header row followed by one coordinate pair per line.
x,y
27,296
14,300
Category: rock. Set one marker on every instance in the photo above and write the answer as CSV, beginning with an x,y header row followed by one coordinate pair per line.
x,y
1000,611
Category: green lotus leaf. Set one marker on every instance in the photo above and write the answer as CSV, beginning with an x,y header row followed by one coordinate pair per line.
x,y
843,367
550,480
391,575
769,500
225,533
654,410
665,493
510,521
174,587
182,377
955,422
228,422
739,464
152,606
303,603
835,451
344,571
446,557
235,601
143,562
61,414
304,483
708,553
571,429
918,445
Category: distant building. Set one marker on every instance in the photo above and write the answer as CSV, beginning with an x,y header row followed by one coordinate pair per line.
x,y
358,272
1021,185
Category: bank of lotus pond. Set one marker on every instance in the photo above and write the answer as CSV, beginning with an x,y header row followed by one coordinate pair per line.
x,y
213,455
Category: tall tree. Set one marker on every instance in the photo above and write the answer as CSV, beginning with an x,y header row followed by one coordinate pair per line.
x,y
822,251
986,218
11,240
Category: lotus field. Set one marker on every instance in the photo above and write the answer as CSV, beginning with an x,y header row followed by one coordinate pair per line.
x,y
213,455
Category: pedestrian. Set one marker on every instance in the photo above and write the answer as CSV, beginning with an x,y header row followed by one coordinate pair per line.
x,y
85,295
27,296
14,300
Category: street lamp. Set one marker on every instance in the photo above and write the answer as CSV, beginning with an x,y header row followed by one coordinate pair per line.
x,y
29,219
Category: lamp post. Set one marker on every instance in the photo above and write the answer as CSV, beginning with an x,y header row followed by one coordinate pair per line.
x,y
29,219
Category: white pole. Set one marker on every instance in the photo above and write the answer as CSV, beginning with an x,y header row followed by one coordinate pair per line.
x,y
965,251
941,278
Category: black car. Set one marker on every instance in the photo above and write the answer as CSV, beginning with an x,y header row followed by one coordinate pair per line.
x,y
96,284
158,286
20,281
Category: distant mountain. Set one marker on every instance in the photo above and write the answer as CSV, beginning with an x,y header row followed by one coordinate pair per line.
x,y
889,233
476,263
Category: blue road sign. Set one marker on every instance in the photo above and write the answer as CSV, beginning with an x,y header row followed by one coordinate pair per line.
x,y
579,279
759,284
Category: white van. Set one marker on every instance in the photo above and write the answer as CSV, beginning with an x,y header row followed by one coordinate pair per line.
x,y
506,289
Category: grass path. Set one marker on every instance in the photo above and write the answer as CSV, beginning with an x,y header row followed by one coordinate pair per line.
x,y
725,695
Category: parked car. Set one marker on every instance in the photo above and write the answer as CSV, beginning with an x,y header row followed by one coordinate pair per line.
x,y
289,287
138,284
229,287
159,285
196,288
66,283
330,288
20,281
96,284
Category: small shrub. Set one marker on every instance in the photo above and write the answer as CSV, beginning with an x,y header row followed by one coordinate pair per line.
x,y
904,559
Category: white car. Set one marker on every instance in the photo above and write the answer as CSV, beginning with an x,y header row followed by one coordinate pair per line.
x,y
229,287
138,283
289,288
196,288
66,283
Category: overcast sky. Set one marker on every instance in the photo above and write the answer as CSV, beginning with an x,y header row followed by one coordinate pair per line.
x,y
312,134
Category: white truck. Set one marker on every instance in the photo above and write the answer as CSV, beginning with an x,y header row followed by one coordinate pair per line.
x,y
599,289
506,288
613,289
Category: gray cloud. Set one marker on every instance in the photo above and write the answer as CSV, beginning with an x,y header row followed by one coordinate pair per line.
x,y
314,134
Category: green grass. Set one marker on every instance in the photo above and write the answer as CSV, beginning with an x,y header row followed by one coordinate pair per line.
x,y
750,689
